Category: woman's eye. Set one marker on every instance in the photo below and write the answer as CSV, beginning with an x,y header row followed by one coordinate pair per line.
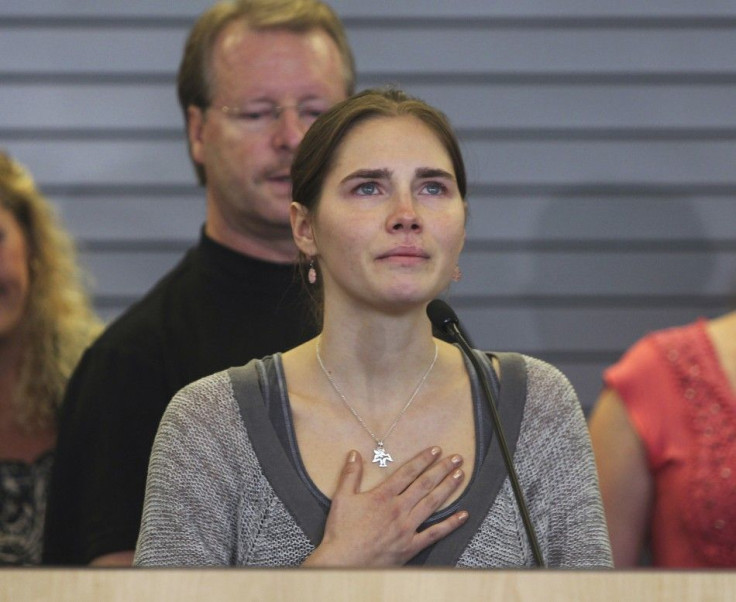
x,y
367,188
434,188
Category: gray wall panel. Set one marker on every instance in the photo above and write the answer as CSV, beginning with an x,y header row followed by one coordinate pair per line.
x,y
563,336
101,49
600,218
113,163
519,48
553,330
404,9
490,162
510,108
572,162
600,140
574,105
99,106
127,273
139,219
598,273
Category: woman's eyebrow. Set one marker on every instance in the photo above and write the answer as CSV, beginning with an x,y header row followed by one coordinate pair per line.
x,y
432,172
368,174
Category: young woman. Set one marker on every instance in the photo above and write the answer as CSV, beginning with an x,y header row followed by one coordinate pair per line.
x,y
45,324
371,444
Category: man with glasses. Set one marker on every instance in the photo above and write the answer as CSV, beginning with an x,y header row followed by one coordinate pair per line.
x,y
255,74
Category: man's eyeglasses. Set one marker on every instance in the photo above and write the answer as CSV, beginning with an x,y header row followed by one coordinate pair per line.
x,y
261,116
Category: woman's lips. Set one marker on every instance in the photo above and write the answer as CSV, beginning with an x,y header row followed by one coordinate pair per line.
x,y
404,255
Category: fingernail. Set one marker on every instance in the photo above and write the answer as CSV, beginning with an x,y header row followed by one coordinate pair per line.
x,y
458,474
456,459
436,451
352,456
462,517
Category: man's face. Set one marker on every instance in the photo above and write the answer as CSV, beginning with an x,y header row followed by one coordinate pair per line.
x,y
246,150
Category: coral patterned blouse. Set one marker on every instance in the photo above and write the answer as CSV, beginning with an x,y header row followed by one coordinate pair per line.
x,y
683,408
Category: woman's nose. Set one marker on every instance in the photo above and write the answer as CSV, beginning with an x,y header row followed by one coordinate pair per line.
x,y
405,216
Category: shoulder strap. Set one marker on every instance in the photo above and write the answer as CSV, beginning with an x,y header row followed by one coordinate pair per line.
x,y
246,388
510,392
511,395
513,375
251,387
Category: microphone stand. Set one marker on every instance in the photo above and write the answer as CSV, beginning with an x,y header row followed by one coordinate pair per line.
x,y
451,328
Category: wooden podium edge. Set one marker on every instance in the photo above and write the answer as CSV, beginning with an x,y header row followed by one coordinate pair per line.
x,y
400,585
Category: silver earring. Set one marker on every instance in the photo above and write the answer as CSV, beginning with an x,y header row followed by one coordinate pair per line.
x,y
457,274
312,272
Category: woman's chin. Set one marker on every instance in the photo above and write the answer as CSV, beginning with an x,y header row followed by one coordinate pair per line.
x,y
410,298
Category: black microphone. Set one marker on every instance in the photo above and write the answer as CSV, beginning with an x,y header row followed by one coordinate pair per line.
x,y
445,319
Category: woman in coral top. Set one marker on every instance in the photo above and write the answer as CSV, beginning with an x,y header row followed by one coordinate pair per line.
x,y
664,435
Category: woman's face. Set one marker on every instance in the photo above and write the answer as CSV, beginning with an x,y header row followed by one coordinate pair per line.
x,y
390,223
15,279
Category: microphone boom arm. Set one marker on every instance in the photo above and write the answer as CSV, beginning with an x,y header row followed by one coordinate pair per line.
x,y
446,320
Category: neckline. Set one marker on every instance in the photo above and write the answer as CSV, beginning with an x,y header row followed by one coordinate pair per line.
x,y
238,268
325,501
720,380
256,388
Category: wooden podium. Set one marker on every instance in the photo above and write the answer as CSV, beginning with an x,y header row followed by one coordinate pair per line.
x,y
400,585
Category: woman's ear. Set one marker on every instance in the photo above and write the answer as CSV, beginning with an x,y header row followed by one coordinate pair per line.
x,y
301,229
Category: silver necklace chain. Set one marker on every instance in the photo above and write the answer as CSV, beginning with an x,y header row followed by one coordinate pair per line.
x,y
380,455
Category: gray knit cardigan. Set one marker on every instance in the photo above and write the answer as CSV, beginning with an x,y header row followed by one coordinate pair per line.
x,y
215,499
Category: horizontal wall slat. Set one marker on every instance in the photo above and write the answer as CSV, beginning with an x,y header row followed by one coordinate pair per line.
x,y
406,8
154,106
81,50
502,50
127,274
551,334
133,219
501,274
591,218
582,106
540,330
42,106
576,162
504,221
544,50
548,162
600,139
535,8
44,8
562,273
60,162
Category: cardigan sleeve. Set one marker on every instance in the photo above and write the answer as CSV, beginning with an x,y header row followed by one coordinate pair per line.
x,y
193,484
563,488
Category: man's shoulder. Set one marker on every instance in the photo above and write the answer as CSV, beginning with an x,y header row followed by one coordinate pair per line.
x,y
140,325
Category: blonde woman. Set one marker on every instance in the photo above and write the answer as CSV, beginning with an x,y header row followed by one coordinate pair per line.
x,y
45,323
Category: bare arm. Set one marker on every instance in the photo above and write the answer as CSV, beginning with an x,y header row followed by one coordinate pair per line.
x,y
379,527
114,559
626,485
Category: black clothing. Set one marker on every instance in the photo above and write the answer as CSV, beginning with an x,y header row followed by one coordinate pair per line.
x,y
216,309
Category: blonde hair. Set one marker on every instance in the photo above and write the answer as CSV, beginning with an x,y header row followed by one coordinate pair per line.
x,y
58,322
